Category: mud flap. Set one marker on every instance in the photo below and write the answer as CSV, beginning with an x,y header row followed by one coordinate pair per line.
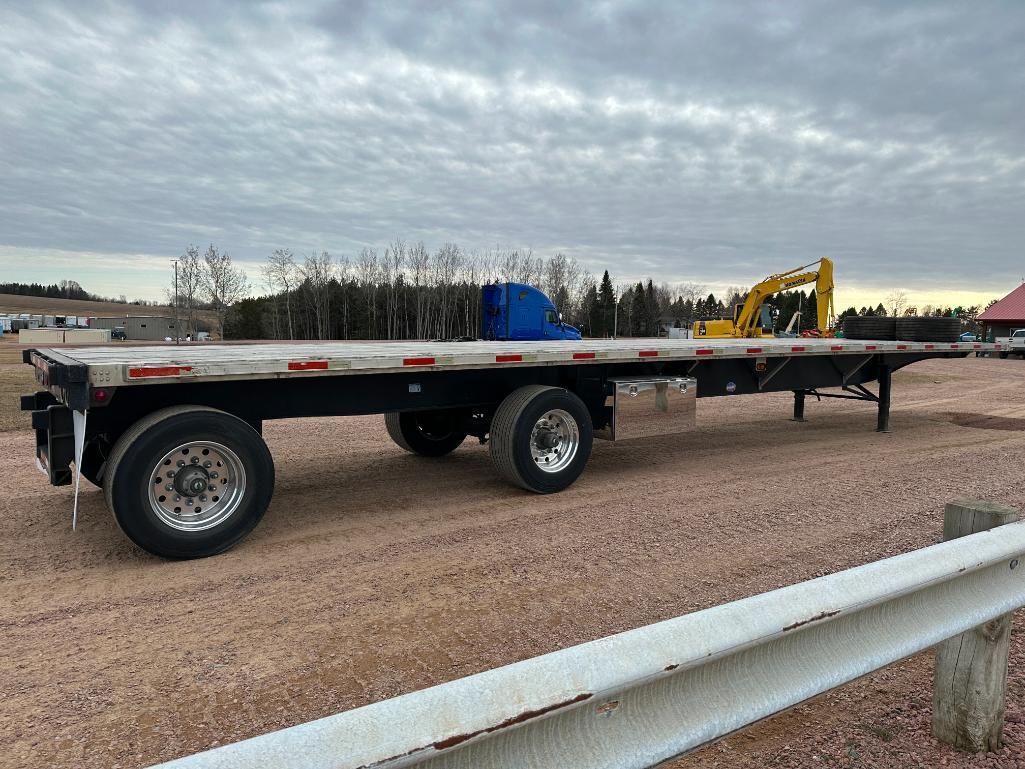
x,y
79,418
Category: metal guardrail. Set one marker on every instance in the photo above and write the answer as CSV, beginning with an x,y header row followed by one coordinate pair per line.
x,y
641,697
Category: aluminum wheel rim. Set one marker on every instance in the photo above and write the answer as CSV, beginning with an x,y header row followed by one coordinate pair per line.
x,y
175,496
554,441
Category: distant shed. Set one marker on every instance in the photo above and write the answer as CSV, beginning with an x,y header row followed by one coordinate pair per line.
x,y
140,328
1004,316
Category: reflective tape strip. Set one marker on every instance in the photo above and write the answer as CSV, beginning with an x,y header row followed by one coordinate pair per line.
x,y
754,350
508,358
798,349
150,371
870,346
307,365
704,351
836,347
647,353
418,361
583,355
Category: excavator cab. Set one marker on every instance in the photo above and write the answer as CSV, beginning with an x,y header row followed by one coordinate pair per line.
x,y
766,321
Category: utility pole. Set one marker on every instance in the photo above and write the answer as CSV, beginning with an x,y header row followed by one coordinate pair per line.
x,y
177,336
615,315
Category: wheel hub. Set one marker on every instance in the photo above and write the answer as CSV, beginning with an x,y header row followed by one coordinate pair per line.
x,y
554,441
197,486
192,481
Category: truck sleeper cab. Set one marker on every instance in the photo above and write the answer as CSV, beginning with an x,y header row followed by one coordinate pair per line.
x,y
518,312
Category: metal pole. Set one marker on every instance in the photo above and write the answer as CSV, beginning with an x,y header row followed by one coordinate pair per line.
x,y
615,316
177,336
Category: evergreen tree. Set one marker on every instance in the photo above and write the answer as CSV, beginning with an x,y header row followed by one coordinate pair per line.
x,y
606,306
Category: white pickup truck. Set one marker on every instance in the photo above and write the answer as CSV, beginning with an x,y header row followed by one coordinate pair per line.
x,y
1015,343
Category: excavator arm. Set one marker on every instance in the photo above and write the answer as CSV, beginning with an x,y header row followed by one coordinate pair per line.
x,y
747,319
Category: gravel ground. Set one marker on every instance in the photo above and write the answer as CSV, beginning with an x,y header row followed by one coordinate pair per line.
x,y
357,587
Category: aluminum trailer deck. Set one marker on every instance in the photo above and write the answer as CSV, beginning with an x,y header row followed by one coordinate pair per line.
x,y
172,433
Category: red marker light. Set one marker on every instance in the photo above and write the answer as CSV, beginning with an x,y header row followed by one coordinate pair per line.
x,y
100,396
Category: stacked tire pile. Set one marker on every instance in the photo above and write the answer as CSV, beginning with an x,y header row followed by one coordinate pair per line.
x,y
910,329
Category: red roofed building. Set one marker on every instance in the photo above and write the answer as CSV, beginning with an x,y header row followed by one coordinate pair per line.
x,y
1004,316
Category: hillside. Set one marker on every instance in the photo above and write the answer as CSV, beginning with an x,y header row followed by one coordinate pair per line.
x,y
14,303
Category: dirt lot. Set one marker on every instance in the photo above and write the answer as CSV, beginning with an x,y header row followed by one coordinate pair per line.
x,y
357,588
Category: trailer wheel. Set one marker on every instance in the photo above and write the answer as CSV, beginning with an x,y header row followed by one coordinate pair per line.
x,y
427,433
188,481
541,438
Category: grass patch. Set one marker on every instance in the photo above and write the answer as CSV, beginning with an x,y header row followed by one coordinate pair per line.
x,y
15,381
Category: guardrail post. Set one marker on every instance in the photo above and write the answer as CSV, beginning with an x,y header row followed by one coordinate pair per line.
x,y
971,669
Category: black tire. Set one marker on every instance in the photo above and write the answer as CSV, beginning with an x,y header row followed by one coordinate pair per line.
x,y
427,433
139,452
929,329
1002,355
512,435
870,327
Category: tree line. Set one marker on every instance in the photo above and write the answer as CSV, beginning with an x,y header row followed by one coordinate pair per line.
x,y
65,289
407,291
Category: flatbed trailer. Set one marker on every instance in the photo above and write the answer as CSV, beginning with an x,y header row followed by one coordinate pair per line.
x,y
173,434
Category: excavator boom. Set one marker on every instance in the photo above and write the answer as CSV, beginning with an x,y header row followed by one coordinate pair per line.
x,y
746,321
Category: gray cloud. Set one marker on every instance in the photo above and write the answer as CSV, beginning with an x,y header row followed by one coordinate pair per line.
x,y
713,142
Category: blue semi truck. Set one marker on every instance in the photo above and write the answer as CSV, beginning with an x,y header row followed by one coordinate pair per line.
x,y
518,312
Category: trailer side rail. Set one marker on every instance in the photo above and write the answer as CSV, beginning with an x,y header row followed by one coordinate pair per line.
x,y
113,366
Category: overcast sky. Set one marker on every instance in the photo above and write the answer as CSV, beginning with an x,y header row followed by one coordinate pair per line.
x,y
710,142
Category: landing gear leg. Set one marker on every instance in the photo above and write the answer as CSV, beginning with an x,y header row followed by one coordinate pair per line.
x,y
883,421
798,406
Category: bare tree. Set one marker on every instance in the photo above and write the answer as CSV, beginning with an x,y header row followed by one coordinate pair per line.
x,y
189,286
447,263
224,282
391,272
317,271
281,274
368,274
896,301
419,260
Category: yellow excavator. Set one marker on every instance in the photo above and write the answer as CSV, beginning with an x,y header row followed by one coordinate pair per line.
x,y
752,319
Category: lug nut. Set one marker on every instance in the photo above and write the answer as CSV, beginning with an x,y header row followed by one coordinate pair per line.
x,y
181,463
202,497
208,463
188,502
169,487
211,488
213,475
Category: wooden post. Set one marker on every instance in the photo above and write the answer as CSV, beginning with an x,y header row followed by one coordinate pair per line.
x,y
971,669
